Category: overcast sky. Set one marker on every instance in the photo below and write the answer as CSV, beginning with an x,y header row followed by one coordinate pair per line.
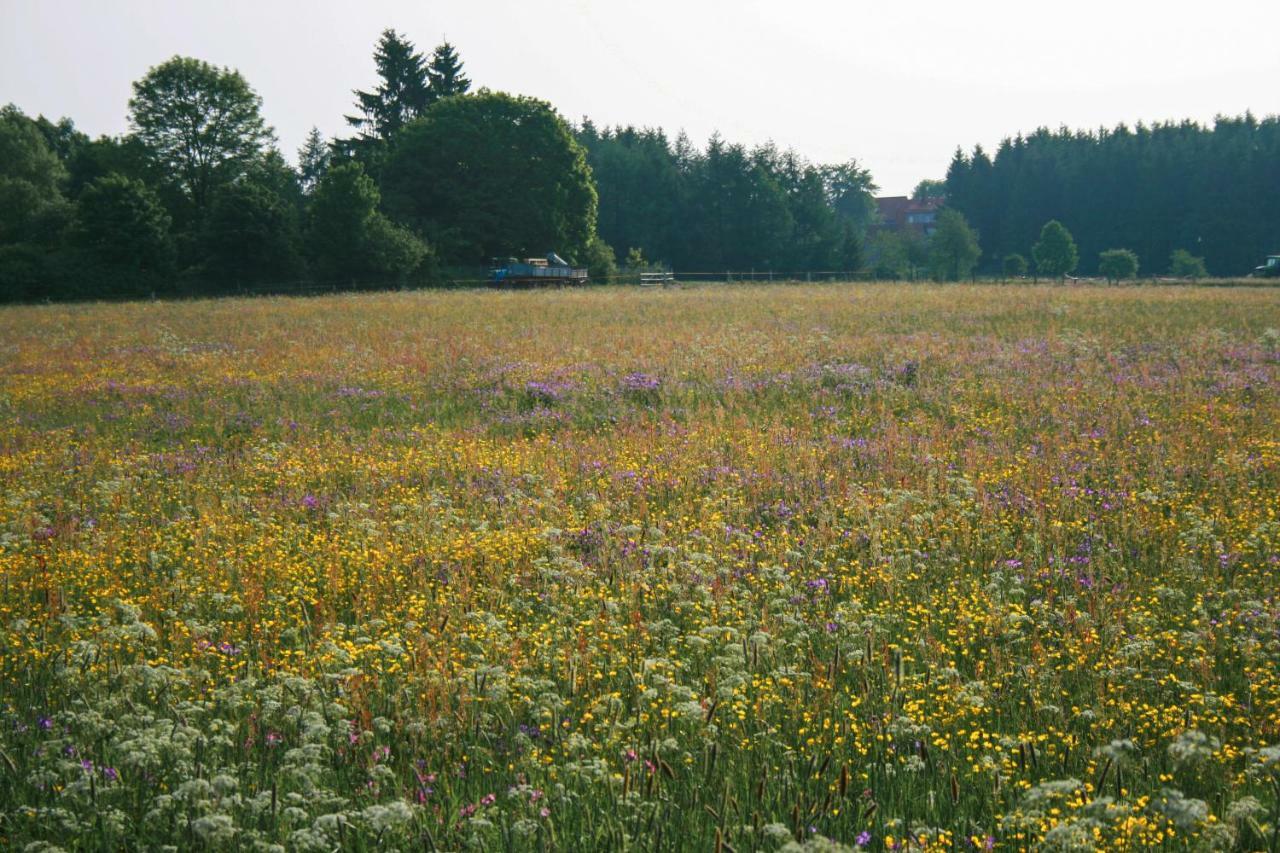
x,y
896,85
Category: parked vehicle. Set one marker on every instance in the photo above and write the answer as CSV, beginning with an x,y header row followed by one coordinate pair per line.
x,y
1270,269
552,270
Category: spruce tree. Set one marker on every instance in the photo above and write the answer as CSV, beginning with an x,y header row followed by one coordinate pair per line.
x,y
313,160
444,74
399,98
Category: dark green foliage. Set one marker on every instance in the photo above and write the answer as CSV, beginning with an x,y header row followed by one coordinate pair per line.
x,y
29,216
1182,264
727,207
601,262
929,188
897,255
1118,264
25,272
349,240
314,158
851,192
1153,188
122,233
200,122
444,74
26,156
953,249
1055,252
400,97
250,237
491,175
1014,266
126,156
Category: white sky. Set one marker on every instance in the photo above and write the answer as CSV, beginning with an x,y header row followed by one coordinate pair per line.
x,y
895,84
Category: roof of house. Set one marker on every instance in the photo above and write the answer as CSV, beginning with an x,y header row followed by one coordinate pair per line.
x,y
894,210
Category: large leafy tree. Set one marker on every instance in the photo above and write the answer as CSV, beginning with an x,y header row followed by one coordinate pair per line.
x,y
31,177
1055,252
400,96
349,239
492,174
953,249
851,191
26,155
202,123
444,74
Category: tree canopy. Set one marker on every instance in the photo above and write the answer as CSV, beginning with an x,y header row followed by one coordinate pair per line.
x,y
202,123
350,239
1055,252
399,98
492,174
953,249
444,74
1118,264
726,206
1153,188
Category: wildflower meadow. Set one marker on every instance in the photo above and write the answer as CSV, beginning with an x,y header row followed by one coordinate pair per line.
x,y
723,568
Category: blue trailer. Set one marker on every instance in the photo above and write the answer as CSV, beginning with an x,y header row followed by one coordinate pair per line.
x,y
551,271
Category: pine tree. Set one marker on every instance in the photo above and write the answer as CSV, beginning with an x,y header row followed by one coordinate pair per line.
x,y
313,160
398,99
444,74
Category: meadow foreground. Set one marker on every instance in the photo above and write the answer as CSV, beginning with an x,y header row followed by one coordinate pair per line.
x,y
726,568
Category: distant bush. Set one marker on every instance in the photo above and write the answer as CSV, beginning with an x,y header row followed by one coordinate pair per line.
x,y
1183,264
1015,266
1118,264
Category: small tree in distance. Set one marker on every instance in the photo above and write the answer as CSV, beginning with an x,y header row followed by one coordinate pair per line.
x,y
1118,264
1055,252
1015,266
953,249
314,159
1183,264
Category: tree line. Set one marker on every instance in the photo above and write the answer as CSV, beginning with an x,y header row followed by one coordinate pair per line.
x,y
433,178
1168,194
197,198
726,207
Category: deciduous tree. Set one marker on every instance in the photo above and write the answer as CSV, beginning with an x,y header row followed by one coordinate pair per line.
x,y
1183,264
491,175
349,239
1118,264
953,249
1015,266
202,123
1055,253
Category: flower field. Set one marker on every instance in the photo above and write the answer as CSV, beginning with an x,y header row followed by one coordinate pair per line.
x,y
722,569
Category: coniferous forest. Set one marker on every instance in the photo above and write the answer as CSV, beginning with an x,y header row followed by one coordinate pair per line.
x,y
433,179
1211,191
